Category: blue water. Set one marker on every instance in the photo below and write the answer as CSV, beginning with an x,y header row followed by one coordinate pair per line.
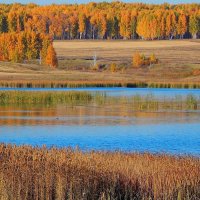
x,y
168,138
97,128
117,91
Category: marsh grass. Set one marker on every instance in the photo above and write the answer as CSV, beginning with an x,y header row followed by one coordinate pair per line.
x,y
136,102
46,98
41,173
150,102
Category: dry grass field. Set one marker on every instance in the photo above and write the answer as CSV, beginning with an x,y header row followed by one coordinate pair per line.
x,y
177,61
171,52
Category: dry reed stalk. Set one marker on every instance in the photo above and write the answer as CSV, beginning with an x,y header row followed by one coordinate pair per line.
x,y
42,173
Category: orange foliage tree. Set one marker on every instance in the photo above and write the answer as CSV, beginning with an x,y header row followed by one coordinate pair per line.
x,y
25,46
125,24
182,25
140,60
137,60
51,58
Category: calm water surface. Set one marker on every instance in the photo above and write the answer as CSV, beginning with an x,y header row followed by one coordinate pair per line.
x,y
161,92
103,127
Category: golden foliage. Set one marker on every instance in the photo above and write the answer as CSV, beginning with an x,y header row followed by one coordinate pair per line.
x,y
153,59
22,46
141,60
114,20
137,60
51,58
113,67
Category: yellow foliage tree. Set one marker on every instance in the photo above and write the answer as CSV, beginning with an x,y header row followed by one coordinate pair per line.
x,y
51,58
182,25
137,60
153,59
113,67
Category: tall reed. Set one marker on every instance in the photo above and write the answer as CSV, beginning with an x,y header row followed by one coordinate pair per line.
x,y
136,102
40,173
44,97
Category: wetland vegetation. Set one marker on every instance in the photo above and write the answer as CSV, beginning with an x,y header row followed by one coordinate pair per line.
x,y
135,102
41,173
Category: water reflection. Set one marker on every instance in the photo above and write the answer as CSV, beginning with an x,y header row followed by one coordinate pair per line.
x,y
91,115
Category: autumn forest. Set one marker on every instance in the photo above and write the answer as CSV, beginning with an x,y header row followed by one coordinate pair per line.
x,y
114,20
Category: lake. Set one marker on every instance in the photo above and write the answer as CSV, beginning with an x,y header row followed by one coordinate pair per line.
x,y
108,127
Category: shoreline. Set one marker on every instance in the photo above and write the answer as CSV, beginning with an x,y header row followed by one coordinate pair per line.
x,y
97,84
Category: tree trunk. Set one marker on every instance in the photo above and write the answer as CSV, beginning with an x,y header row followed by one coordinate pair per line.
x,y
194,36
40,60
93,33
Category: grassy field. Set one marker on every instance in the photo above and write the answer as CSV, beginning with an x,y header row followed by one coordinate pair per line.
x,y
178,59
41,173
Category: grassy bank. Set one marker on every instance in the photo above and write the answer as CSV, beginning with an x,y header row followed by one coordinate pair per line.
x,y
41,173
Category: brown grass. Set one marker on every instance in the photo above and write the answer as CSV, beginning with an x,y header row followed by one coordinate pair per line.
x,y
172,52
41,173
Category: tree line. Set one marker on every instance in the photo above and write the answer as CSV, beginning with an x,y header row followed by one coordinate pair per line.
x,y
116,20
27,46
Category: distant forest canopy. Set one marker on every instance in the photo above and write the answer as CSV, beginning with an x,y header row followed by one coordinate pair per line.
x,y
116,20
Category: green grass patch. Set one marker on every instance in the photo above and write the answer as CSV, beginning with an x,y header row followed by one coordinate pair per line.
x,y
136,102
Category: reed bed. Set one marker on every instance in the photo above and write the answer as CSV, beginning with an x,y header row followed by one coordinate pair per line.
x,y
150,102
134,103
41,173
106,83
44,97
